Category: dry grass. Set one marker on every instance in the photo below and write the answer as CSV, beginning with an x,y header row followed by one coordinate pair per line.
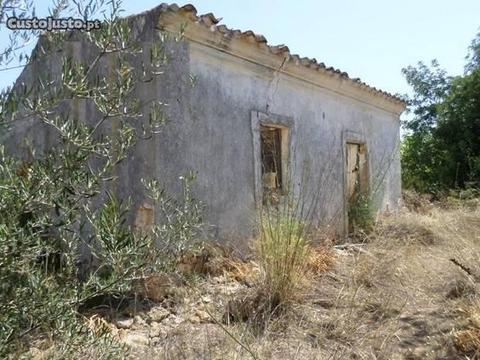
x,y
216,260
282,250
468,341
399,296
99,325
410,292
319,259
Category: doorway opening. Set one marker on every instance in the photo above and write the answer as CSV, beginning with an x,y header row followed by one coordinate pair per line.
x,y
357,187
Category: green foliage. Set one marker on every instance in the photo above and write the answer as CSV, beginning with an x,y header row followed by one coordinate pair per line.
x,y
430,85
425,163
441,148
64,239
183,217
473,57
361,213
40,289
12,51
459,127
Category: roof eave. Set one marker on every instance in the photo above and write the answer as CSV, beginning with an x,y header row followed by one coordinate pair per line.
x,y
253,47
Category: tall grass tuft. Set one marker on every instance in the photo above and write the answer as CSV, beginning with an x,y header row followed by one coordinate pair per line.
x,y
282,249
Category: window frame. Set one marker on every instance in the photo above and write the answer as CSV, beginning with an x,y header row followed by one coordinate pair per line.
x,y
287,136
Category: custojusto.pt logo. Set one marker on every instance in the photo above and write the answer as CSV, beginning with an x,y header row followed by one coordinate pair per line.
x,y
51,24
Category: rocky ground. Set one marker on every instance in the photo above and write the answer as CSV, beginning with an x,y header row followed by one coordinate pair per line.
x,y
408,291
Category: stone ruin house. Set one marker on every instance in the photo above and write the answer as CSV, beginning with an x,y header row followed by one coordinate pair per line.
x,y
259,121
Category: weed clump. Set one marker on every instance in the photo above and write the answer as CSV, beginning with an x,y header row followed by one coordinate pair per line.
x,y
282,249
361,213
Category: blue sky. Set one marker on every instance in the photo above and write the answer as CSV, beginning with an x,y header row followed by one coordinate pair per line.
x,y
370,39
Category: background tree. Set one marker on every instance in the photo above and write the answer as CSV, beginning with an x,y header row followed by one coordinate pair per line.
x,y
440,148
459,128
473,57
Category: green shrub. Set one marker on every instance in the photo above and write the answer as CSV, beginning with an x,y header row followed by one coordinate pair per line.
x,y
43,286
361,213
62,246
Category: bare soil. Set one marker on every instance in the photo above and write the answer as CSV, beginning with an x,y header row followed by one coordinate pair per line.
x,y
409,291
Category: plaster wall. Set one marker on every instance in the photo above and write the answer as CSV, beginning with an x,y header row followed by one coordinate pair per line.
x,y
213,129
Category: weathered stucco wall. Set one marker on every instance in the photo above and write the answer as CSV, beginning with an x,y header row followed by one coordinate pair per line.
x,y
210,131
213,130
221,149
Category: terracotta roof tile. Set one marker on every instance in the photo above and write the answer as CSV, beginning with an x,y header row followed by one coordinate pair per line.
x,y
211,21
